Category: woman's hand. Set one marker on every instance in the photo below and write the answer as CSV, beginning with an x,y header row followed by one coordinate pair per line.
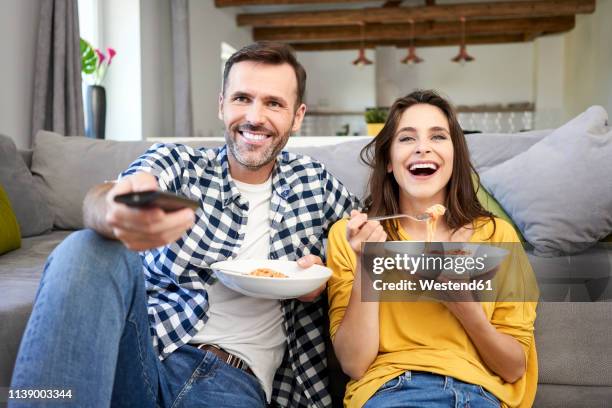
x,y
360,230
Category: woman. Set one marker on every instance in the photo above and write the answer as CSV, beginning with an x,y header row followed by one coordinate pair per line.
x,y
426,354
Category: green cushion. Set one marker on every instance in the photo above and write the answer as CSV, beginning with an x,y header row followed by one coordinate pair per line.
x,y
10,236
490,204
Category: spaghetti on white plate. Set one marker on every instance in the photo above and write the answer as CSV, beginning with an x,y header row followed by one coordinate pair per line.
x,y
267,273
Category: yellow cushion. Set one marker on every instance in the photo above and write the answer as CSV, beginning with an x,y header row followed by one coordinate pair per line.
x,y
10,236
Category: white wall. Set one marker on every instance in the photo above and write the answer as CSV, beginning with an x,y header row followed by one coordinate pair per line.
x,y
121,30
500,74
208,27
548,77
588,61
18,31
333,83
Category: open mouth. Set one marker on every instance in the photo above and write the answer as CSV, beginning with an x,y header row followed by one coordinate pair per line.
x,y
423,169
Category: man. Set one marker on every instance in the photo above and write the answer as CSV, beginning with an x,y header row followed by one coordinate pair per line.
x,y
180,338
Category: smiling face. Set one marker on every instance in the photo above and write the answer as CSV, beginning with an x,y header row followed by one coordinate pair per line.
x,y
421,156
259,110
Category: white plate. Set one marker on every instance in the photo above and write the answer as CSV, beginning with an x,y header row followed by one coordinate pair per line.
x,y
300,281
491,256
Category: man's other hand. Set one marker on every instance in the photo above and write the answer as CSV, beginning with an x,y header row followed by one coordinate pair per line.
x,y
306,262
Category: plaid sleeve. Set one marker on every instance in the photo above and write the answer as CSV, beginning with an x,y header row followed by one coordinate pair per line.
x,y
164,161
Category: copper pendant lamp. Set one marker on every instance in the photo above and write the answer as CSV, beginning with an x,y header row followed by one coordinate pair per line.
x,y
361,59
463,56
412,58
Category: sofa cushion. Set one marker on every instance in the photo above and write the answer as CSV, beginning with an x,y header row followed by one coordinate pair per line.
x,y
573,343
10,236
342,160
568,396
66,167
31,210
20,273
490,149
559,192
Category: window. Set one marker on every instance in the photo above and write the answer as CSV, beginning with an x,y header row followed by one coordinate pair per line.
x,y
89,24
226,52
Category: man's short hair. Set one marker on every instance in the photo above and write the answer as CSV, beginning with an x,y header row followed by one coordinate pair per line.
x,y
269,53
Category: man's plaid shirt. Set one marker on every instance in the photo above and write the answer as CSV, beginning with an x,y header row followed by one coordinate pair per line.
x,y
306,200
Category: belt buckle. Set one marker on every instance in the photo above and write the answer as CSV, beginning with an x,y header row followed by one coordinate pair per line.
x,y
231,359
236,362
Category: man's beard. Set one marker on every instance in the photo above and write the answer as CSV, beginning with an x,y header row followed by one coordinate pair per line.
x,y
239,150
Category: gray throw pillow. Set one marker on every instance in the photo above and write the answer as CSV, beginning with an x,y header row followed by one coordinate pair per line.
x,y
33,214
559,192
490,149
66,167
342,161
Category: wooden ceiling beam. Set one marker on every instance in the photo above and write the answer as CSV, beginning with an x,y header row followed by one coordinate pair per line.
x,y
530,36
392,3
235,3
447,12
377,32
428,42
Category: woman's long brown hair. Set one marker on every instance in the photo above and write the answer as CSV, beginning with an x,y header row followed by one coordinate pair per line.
x,y
463,207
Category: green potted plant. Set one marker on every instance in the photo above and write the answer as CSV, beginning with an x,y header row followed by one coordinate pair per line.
x,y
95,63
375,120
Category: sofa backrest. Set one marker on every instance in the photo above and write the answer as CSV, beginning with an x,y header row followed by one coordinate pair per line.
x,y
26,155
65,168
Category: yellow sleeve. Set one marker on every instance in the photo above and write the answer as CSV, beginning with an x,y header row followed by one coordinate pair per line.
x,y
342,261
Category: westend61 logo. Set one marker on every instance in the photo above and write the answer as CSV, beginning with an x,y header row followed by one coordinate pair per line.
x,y
431,262
464,271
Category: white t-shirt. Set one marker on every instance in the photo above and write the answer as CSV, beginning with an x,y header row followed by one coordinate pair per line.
x,y
247,327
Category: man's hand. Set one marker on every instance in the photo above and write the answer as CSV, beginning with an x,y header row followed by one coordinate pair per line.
x,y
140,229
306,262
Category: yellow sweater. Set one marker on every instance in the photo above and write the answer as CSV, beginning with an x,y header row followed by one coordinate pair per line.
x,y
425,336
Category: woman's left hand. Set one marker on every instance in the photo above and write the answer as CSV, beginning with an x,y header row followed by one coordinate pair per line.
x,y
465,310
463,304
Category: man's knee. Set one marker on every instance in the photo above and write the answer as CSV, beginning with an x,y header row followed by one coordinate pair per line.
x,y
86,252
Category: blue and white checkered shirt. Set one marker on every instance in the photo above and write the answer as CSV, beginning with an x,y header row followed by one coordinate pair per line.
x,y
306,200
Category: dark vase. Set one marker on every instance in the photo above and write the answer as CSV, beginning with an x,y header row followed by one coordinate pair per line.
x,y
96,111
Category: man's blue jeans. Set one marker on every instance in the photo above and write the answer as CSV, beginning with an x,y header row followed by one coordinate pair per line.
x,y
89,333
415,389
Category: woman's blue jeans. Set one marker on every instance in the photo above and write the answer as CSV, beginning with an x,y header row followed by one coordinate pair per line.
x,y
89,333
415,389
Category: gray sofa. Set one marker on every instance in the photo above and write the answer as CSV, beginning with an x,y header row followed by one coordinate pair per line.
x,y
574,339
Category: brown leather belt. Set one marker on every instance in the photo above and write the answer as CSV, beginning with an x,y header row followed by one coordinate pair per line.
x,y
226,357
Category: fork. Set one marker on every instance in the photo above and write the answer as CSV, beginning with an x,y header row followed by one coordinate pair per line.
x,y
420,217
